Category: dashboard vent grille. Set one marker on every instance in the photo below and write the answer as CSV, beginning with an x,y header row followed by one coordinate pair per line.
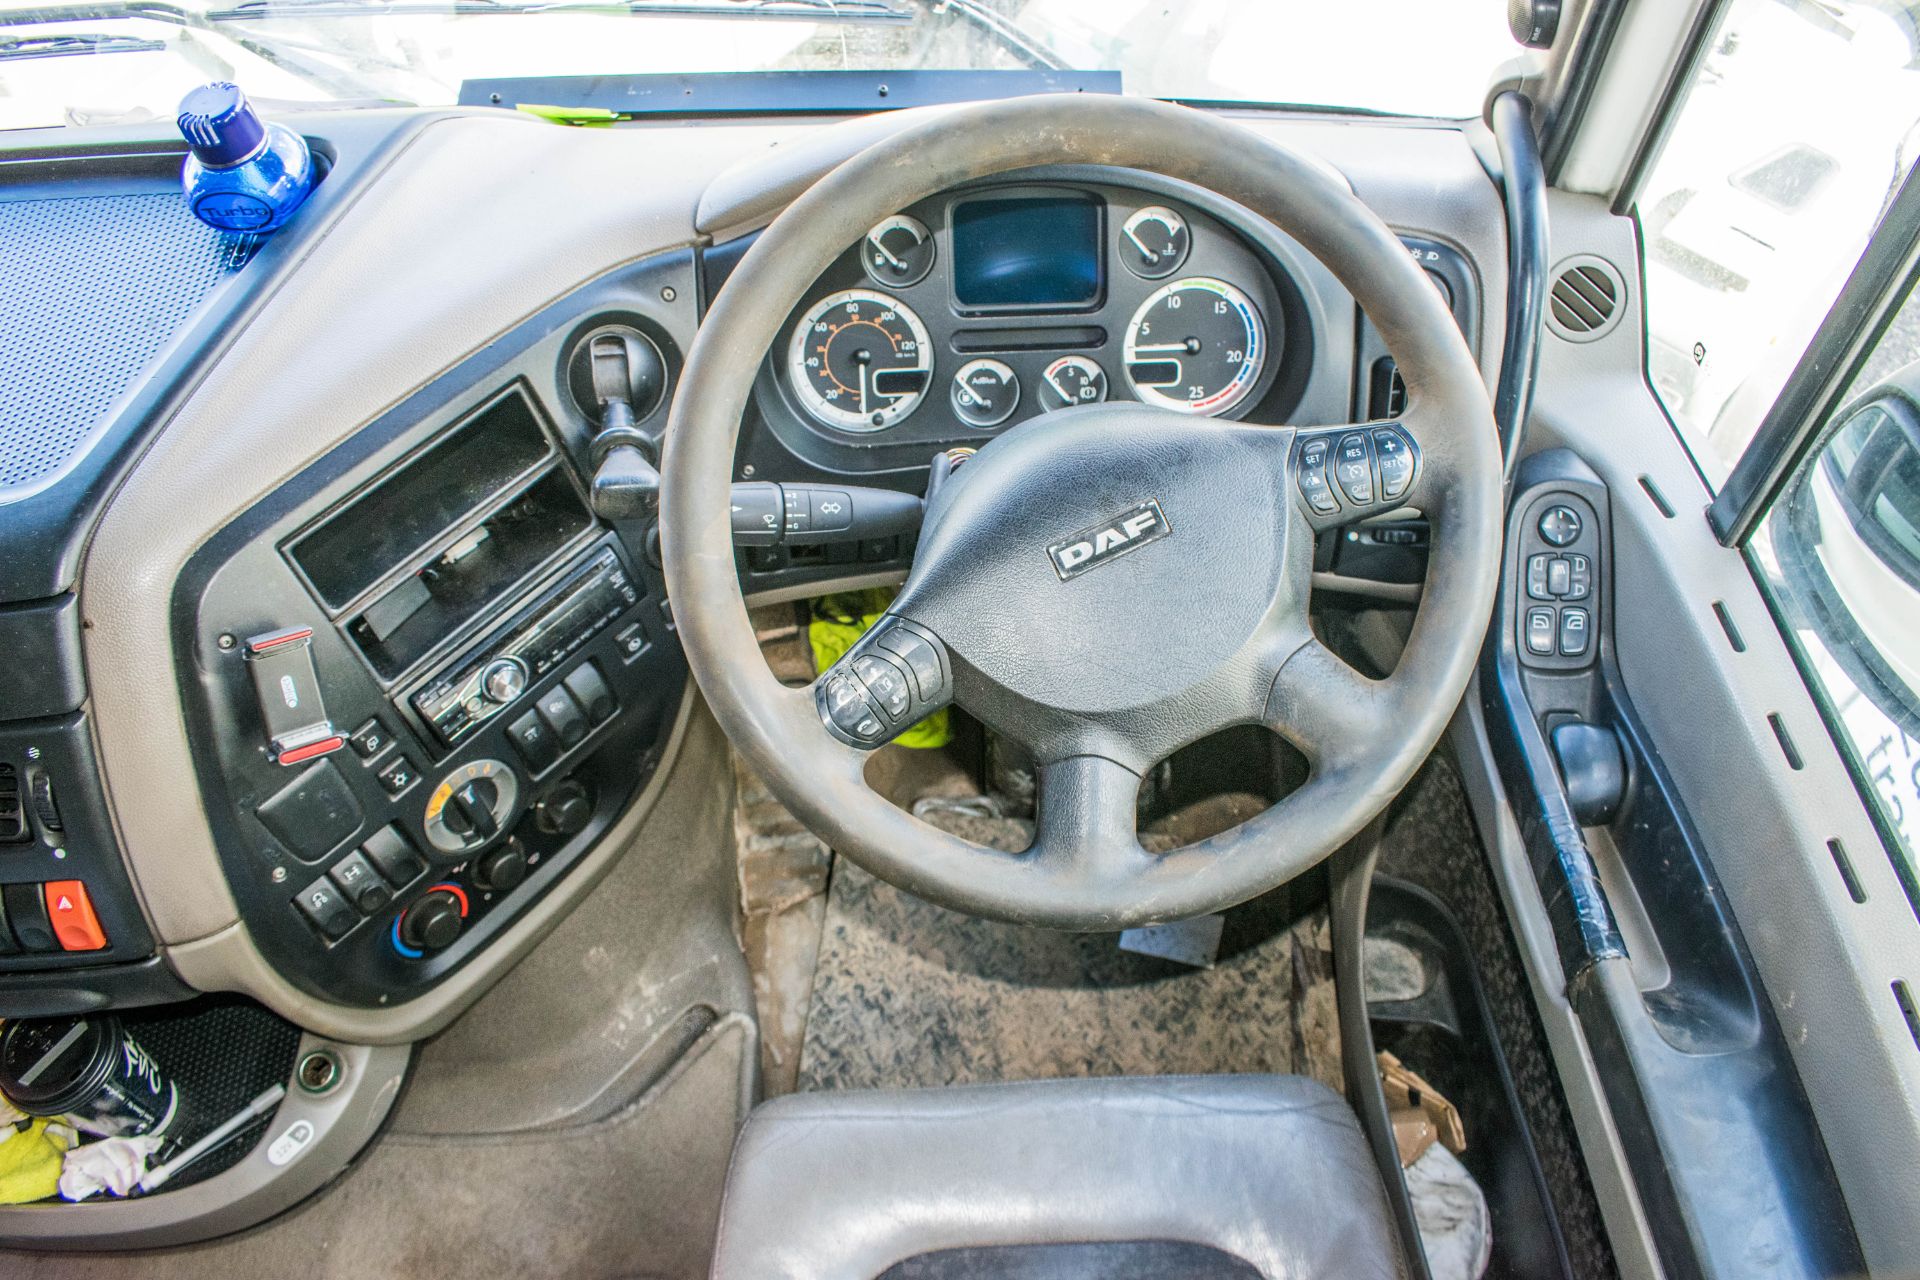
x,y
92,288
1585,301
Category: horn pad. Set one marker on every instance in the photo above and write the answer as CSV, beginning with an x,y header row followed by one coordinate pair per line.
x,y
1108,557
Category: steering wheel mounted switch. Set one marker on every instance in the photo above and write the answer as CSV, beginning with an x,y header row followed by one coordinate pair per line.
x,y
894,677
1349,473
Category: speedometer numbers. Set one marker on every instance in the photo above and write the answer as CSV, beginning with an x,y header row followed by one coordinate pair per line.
x,y
860,360
1195,346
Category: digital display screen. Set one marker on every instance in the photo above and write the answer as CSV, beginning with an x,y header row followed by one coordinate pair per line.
x,y
1028,251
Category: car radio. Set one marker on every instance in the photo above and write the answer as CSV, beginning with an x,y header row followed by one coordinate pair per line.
x,y
489,677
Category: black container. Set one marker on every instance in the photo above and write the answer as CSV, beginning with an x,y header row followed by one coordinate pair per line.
x,y
89,1068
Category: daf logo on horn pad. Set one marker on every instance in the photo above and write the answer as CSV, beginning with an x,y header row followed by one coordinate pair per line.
x,y
1096,544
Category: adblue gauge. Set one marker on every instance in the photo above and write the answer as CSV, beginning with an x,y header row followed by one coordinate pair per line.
x,y
1195,346
860,360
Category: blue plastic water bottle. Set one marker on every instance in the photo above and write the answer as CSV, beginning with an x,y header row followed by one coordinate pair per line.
x,y
243,175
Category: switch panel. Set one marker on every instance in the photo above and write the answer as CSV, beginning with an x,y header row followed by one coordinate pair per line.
x,y
1560,560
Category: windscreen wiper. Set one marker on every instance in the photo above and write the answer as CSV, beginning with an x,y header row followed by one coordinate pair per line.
x,y
808,10
75,43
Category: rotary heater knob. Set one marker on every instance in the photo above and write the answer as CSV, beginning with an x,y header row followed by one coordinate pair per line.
x,y
433,922
502,869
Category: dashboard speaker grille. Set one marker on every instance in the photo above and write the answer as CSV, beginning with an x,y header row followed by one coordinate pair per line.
x,y
92,287
1584,302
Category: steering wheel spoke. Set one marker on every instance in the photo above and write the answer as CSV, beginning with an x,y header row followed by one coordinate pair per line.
x,y
1084,829
1323,706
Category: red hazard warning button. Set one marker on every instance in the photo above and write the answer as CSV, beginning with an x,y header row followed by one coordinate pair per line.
x,y
71,911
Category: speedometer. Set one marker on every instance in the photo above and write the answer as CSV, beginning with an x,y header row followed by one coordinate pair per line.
x,y
860,360
1196,346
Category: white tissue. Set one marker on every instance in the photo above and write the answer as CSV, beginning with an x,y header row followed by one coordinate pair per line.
x,y
112,1164
1451,1213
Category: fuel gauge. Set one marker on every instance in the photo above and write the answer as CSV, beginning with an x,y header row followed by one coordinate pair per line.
x,y
1154,242
898,252
1072,380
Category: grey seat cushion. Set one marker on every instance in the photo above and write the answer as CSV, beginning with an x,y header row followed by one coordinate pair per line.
x,y
1272,1170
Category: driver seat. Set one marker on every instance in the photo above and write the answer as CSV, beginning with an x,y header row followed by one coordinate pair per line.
x,y
1195,1177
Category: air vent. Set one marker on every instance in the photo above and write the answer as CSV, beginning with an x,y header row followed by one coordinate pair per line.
x,y
1586,299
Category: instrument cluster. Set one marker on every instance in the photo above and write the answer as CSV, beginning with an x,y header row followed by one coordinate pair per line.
x,y
971,312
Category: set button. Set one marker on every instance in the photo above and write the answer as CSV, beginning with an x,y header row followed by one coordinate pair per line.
x,y
1314,486
855,716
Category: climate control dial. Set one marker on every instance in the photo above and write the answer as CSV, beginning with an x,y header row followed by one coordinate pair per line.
x,y
471,806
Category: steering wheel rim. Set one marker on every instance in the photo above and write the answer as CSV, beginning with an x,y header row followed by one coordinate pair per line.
x,y
1086,870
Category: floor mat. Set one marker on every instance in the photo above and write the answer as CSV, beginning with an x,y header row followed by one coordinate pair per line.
x,y
909,994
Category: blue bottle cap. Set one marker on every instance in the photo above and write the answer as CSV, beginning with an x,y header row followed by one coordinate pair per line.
x,y
220,125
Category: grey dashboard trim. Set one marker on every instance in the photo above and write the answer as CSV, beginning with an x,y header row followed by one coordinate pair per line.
x,y
1827,962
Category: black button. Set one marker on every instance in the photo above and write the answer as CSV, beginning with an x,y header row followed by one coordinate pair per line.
x,y
313,814
920,658
323,904
537,744
1560,525
1575,635
591,692
27,914
562,714
370,739
1313,477
886,684
1579,578
1537,576
389,850
847,703
397,775
632,640
1559,577
361,883
1540,631
41,787
1353,467
1395,452
831,509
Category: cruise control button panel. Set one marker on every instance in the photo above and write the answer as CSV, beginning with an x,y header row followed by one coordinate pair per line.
x,y
1351,472
894,676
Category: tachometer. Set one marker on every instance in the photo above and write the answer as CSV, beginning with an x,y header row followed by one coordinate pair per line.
x,y
1195,345
860,360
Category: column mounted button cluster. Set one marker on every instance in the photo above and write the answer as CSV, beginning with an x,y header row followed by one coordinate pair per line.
x,y
892,678
1357,471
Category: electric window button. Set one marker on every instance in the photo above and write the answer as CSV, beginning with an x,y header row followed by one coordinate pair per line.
x,y
1537,576
314,814
1560,525
920,658
389,850
1353,467
852,711
1395,452
370,739
363,886
585,684
396,775
27,914
1559,577
1540,635
886,685
322,904
562,714
71,912
538,745
1580,578
1575,637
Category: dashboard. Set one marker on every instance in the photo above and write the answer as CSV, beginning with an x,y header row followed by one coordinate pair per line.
x,y
406,687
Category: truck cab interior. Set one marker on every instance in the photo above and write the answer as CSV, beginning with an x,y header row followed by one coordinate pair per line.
x,y
962,640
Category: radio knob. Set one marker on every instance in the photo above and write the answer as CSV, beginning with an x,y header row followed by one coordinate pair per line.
x,y
505,680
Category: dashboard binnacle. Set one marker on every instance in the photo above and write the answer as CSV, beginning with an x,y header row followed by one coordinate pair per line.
x,y
965,315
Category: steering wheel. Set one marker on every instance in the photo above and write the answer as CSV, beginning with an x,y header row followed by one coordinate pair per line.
x,y
1105,584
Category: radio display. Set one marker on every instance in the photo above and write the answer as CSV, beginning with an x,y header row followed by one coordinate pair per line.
x,y
1027,251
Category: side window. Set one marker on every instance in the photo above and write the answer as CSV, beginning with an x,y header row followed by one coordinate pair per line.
x,y
1839,556
1796,131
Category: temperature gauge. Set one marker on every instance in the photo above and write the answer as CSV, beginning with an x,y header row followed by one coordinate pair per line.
x,y
898,252
1072,380
1154,242
985,393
